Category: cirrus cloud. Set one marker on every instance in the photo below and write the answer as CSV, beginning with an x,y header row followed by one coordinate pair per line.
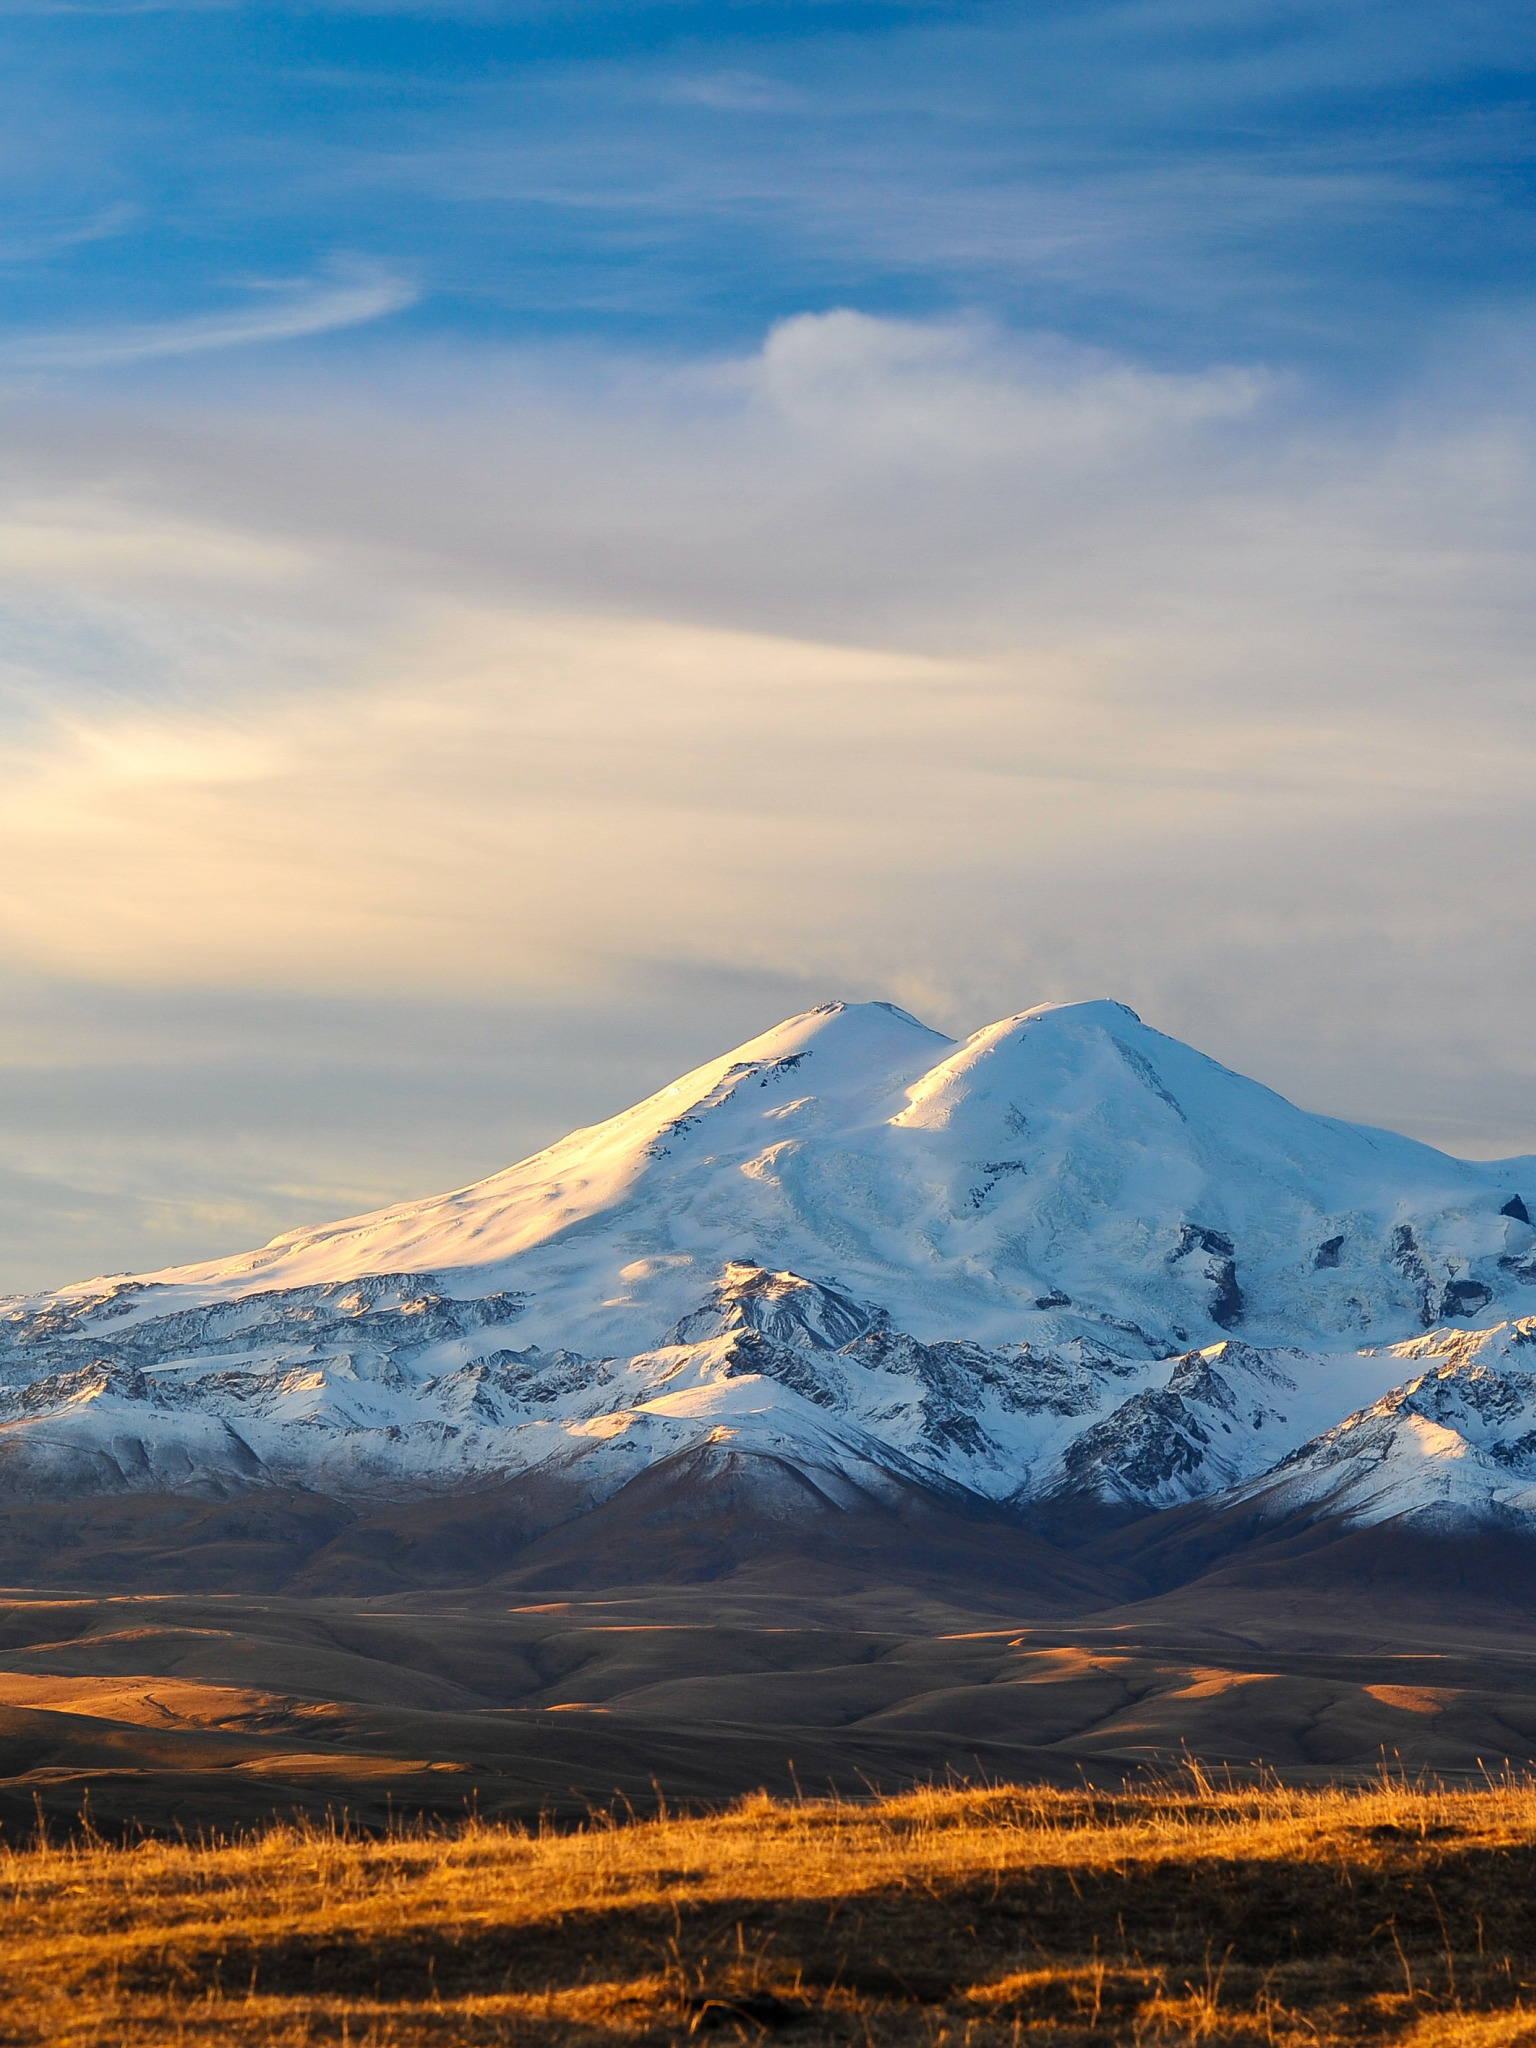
x,y
355,294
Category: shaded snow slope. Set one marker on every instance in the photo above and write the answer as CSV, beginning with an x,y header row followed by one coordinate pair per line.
x,y
1068,1257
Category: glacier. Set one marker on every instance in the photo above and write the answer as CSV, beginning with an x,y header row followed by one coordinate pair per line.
x,y
1067,1260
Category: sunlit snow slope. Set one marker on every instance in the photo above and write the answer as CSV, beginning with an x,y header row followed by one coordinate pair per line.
x,y
1069,1151
1069,1255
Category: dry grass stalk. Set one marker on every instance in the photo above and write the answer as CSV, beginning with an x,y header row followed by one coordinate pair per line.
x,y
965,1917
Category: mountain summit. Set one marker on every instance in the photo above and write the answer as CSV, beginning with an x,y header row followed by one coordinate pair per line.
x,y
1066,1258
1062,1173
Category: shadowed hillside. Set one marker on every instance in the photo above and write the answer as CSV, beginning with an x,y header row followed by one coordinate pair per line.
x,y
223,1710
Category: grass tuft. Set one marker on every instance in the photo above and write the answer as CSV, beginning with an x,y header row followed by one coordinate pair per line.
x,y
1192,1913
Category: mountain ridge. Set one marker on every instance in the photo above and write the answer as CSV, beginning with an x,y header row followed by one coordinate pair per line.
x,y
1065,1259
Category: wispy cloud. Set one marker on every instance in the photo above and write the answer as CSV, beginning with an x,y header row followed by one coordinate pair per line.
x,y
109,8
277,313
908,657
47,241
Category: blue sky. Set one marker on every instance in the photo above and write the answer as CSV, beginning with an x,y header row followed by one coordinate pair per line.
x,y
1322,185
535,540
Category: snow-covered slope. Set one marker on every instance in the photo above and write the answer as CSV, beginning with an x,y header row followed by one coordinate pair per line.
x,y
1068,1256
1453,1443
385,1385
1067,1172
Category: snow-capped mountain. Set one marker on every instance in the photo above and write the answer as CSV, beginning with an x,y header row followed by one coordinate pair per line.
x,y
1068,1257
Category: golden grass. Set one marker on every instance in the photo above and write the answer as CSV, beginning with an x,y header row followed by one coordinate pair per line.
x,y
1193,1914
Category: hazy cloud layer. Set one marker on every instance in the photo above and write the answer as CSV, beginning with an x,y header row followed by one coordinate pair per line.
x,y
1063,677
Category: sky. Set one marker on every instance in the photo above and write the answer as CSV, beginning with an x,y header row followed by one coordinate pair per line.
x,y
538,539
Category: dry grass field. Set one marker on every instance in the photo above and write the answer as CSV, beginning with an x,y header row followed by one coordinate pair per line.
x,y
1194,1912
